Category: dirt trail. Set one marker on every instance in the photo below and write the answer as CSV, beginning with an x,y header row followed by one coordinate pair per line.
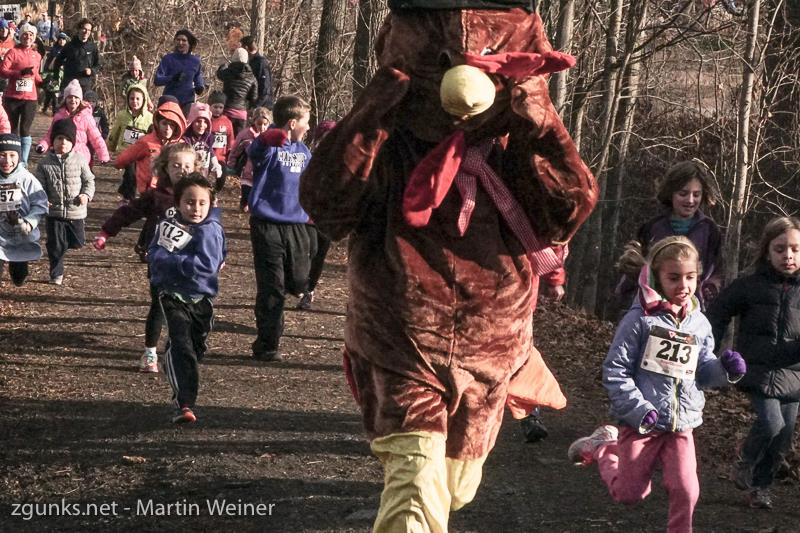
x,y
79,426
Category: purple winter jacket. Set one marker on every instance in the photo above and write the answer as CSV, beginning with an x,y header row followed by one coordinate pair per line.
x,y
706,237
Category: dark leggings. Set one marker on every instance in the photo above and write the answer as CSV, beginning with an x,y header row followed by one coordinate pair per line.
x,y
18,272
318,261
155,319
21,114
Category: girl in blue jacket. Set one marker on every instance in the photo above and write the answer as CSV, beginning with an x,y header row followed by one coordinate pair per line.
x,y
185,258
661,356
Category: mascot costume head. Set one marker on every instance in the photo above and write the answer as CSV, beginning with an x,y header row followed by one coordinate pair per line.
x,y
459,186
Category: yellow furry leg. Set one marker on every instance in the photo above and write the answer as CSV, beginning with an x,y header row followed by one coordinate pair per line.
x,y
415,497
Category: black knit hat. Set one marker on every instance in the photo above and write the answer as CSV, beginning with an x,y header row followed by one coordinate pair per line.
x,y
400,5
9,142
217,97
189,37
64,127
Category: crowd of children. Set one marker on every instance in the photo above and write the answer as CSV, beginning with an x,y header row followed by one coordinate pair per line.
x,y
677,310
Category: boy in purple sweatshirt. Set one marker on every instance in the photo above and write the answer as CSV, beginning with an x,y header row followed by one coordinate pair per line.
x,y
281,244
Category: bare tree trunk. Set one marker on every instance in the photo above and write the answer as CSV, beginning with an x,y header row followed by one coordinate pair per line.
x,y
326,84
563,42
369,19
629,93
740,196
594,226
258,22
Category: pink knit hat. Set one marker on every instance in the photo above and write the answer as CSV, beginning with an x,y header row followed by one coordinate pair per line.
x,y
136,64
199,110
73,88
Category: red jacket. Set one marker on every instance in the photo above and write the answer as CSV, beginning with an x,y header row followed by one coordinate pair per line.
x,y
224,140
147,148
15,60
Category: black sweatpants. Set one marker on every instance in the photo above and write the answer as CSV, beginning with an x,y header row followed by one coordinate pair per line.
x,y
127,188
18,271
282,259
63,235
323,244
188,325
155,318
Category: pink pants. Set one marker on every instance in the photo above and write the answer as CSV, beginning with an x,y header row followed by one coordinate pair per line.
x,y
627,467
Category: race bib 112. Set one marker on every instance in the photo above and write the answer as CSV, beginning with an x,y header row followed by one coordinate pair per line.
x,y
671,353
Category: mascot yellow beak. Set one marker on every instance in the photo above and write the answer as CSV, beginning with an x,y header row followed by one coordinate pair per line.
x,y
466,91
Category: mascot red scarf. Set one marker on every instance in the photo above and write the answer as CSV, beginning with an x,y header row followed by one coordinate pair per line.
x,y
458,184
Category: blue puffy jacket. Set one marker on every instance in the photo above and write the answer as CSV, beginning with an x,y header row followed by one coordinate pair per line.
x,y
634,391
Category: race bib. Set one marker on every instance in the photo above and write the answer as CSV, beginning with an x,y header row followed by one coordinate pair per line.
x,y
131,135
671,353
10,197
220,140
24,85
173,236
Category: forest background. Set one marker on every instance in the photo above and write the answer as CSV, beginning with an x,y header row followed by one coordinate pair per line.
x,y
656,82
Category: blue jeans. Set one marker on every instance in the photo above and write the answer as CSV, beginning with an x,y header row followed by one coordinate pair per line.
x,y
770,437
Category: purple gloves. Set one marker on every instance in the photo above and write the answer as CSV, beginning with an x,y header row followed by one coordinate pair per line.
x,y
733,363
649,422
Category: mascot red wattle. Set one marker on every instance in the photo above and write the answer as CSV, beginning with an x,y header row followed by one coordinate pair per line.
x,y
458,186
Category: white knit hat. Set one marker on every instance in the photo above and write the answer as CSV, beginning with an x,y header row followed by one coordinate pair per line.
x,y
73,88
28,28
240,55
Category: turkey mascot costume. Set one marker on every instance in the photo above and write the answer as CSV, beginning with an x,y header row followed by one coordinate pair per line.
x,y
458,186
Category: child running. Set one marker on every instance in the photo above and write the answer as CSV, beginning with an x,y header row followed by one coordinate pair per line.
x,y
661,355
221,127
130,124
238,161
23,203
767,302
168,127
69,183
684,192
199,135
174,162
86,128
185,258
282,248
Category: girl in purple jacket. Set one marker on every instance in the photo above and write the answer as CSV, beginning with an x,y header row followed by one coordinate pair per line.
x,y
684,192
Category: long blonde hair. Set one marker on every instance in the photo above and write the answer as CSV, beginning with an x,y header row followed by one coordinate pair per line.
x,y
161,162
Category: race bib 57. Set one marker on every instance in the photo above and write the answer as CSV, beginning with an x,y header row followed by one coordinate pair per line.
x,y
10,197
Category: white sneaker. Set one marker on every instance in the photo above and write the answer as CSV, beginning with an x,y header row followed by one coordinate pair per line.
x,y
58,280
581,452
148,363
